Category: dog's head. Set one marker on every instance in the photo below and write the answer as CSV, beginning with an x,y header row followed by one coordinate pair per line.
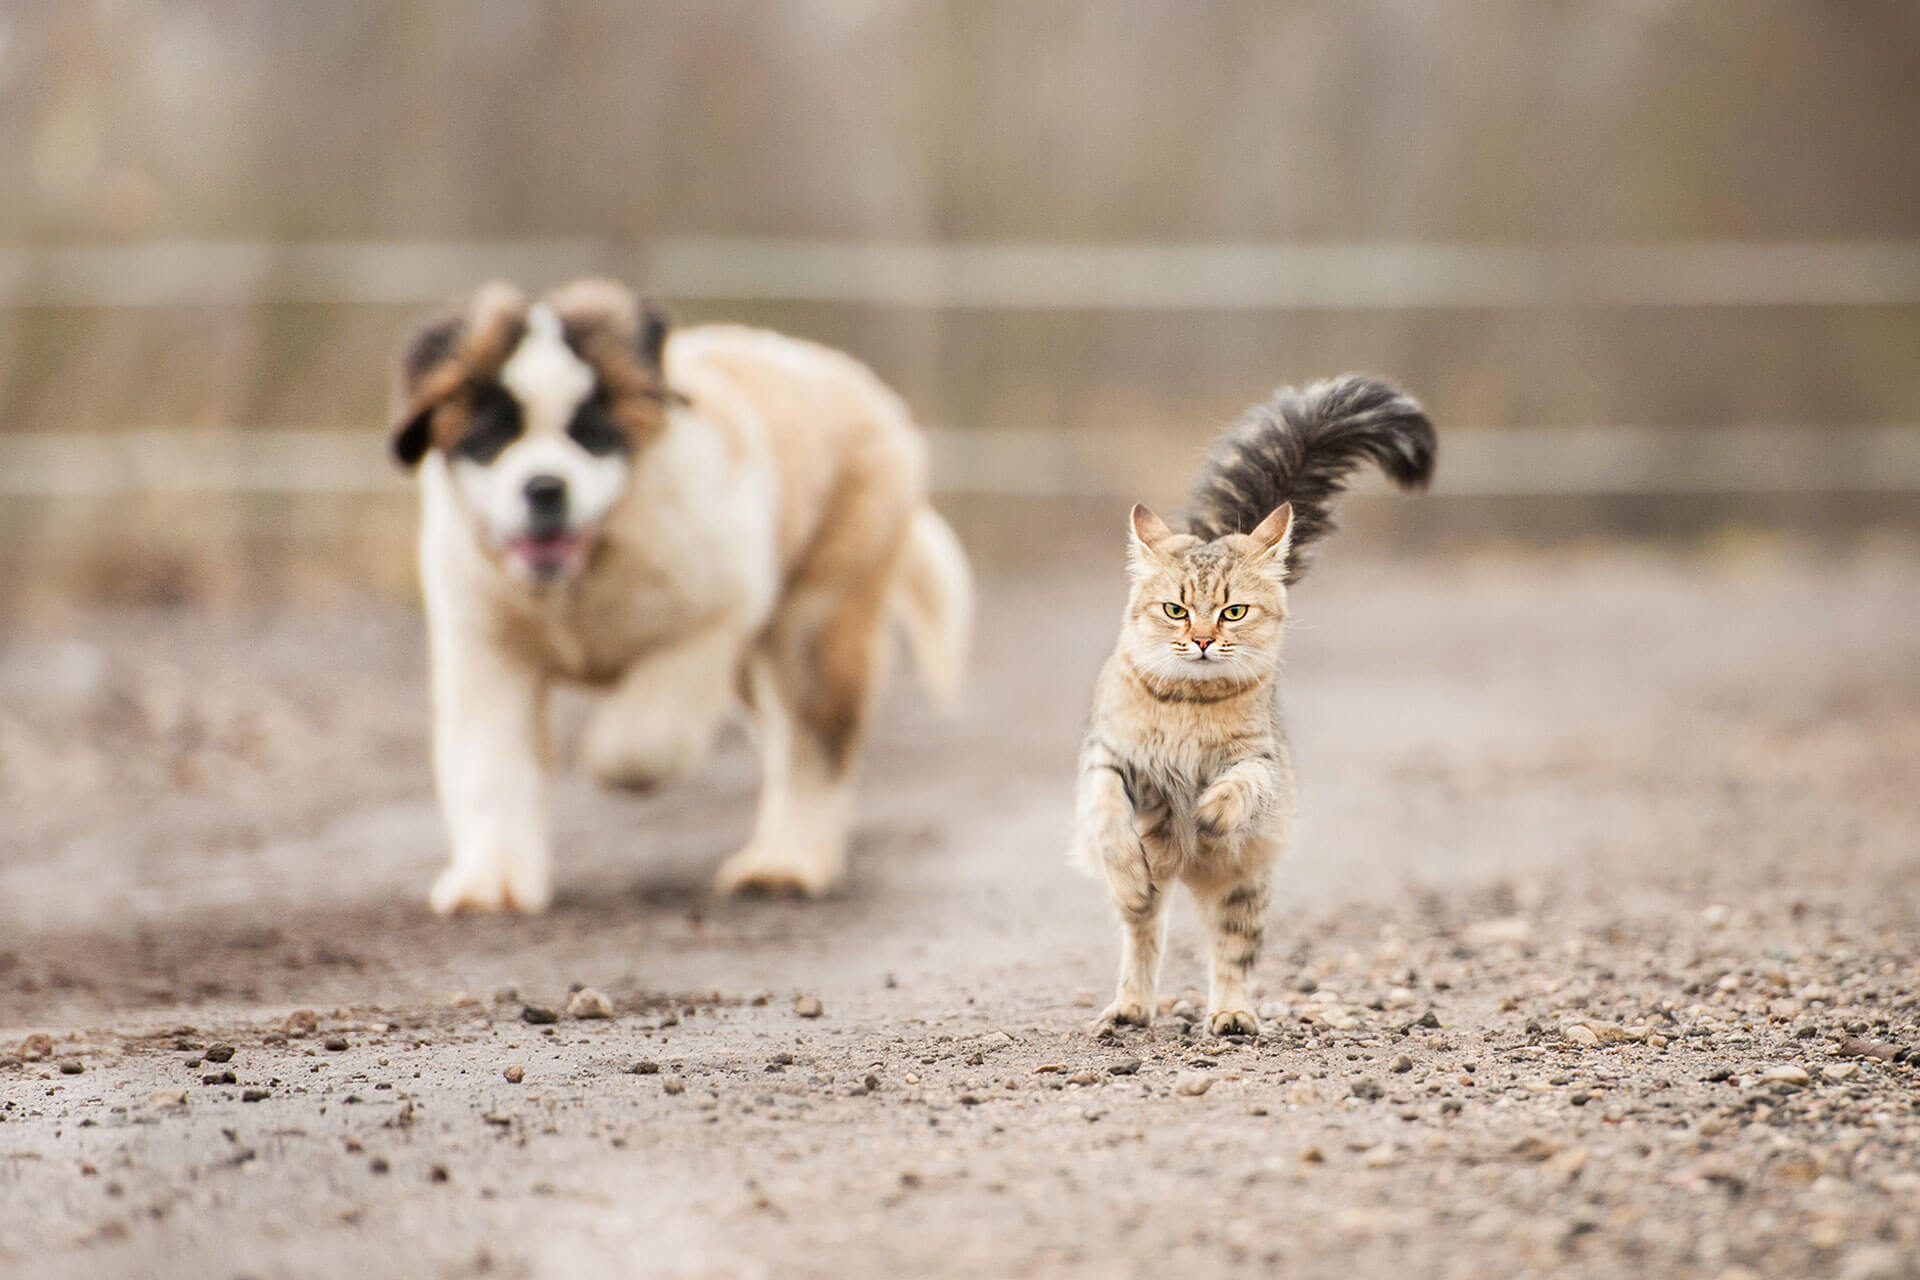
x,y
538,408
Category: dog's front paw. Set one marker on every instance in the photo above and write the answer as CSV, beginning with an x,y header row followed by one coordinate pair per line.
x,y
778,871
1233,1022
1121,1013
493,884
1222,811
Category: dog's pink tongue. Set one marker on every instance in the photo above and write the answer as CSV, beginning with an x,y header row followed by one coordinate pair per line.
x,y
549,553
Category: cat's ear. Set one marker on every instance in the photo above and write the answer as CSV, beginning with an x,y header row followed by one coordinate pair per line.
x,y
1149,530
1274,535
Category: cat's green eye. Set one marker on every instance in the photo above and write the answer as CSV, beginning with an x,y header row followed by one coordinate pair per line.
x,y
1175,611
1233,612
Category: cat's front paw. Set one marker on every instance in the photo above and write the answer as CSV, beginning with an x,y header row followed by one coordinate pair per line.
x,y
1223,810
1233,1022
1128,1013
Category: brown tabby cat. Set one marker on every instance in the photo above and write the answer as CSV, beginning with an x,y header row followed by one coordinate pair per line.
x,y
1185,774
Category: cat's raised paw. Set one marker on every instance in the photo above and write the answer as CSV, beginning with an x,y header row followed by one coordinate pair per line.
x,y
1118,1014
1233,1022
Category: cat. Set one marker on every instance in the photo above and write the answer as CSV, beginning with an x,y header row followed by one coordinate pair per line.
x,y
1184,775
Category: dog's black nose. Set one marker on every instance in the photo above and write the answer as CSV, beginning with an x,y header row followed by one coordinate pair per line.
x,y
547,493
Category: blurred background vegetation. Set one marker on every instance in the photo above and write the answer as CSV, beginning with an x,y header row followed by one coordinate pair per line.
x,y
1619,247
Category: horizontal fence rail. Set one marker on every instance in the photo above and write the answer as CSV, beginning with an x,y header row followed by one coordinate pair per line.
x,y
1475,462
1002,276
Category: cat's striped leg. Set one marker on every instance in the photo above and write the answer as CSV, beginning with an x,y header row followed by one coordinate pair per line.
x,y
1235,910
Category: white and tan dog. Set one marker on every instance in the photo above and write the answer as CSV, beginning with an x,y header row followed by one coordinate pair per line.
x,y
687,521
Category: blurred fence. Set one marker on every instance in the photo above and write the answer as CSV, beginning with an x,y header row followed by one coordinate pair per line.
x,y
1648,247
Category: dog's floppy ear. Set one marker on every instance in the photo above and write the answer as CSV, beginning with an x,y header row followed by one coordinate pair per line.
x,y
606,321
425,355
652,343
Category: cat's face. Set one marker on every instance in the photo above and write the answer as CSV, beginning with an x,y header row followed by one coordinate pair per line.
x,y
1206,611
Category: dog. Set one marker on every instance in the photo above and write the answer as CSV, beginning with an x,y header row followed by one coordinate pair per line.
x,y
688,520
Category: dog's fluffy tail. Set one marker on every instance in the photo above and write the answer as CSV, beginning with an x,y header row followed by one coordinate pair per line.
x,y
933,596
1301,447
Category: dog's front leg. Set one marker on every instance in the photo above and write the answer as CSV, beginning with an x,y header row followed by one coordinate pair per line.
x,y
489,748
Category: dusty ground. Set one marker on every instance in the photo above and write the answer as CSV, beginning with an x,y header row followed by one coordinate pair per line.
x,y
1662,801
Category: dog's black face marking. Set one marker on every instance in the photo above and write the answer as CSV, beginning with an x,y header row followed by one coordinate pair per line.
x,y
494,424
594,429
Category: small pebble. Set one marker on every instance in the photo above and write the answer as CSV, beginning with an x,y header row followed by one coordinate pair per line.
x,y
254,1095
588,1003
302,1022
538,1014
220,1077
335,1044
1192,1084
1125,1067
71,1068
808,1006
36,1046
1402,1065
673,1084
1581,1034
1788,1074
515,1073
644,1068
1368,1090
220,1053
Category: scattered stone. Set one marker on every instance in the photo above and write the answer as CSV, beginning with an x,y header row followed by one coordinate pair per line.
x,y
1384,1156
219,1053
1125,1067
220,1077
1399,998
538,1015
1368,1090
37,1047
1788,1074
378,1165
1850,1046
673,1084
335,1044
808,1006
1401,1065
515,1073
168,1098
498,1119
644,1068
1312,1155
588,1003
438,1173
1191,1084
1507,930
1581,1034
254,1095
1083,1078
71,1068
302,1022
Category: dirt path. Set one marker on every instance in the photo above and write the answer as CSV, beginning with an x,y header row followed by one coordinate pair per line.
x,y
1600,857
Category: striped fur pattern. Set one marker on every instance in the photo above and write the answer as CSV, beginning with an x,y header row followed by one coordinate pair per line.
x,y
1300,447
1185,775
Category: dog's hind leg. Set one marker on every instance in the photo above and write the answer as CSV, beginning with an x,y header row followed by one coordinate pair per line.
x,y
811,683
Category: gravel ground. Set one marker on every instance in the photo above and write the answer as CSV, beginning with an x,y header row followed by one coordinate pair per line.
x,y
1596,956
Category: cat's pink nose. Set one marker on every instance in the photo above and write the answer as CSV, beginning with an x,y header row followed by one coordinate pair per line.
x,y
1201,642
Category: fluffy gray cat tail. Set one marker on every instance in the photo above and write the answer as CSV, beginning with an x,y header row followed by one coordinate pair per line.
x,y
1301,447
